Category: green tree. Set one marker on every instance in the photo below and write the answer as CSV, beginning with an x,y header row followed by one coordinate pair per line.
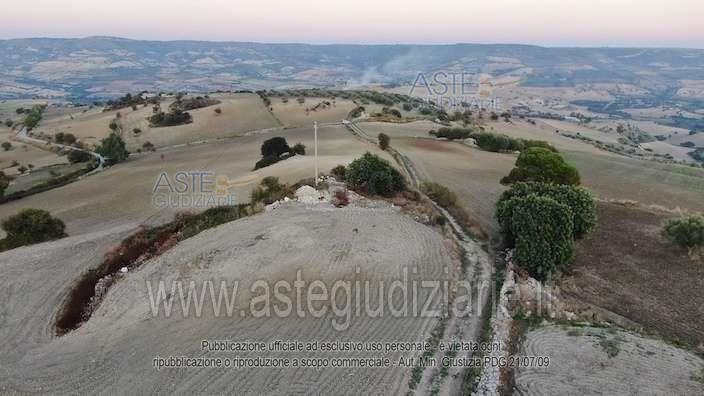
x,y
374,175
299,149
579,200
384,141
31,226
113,149
275,147
543,232
542,165
687,233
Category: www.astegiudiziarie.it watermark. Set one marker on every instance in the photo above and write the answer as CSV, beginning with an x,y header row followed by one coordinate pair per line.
x,y
340,300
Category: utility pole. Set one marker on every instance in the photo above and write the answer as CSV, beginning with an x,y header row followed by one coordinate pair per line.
x,y
315,138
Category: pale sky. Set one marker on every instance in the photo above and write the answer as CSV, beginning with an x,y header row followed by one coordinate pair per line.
x,y
650,23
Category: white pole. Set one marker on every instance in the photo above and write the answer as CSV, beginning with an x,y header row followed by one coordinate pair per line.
x,y
315,129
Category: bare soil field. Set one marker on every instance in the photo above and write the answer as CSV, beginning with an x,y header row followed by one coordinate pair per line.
x,y
240,113
123,194
114,350
626,267
294,114
596,361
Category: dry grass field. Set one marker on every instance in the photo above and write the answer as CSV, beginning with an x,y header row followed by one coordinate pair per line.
x,y
24,154
294,114
123,194
474,174
240,113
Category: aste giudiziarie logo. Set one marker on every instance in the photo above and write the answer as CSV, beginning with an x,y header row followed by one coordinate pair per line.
x,y
192,190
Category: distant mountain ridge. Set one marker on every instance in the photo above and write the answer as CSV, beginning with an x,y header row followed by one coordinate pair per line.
x,y
98,67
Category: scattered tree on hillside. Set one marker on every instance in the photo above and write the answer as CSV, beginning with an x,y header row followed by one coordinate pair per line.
x,y
374,175
542,165
113,149
687,233
75,156
31,226
275,147
384,141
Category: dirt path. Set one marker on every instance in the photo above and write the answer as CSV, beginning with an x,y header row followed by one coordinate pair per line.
x,y
477,270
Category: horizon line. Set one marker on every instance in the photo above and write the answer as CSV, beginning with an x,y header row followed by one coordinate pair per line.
x,y
321,44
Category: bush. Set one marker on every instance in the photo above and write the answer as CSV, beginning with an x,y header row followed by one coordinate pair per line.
x,y
31,226
452,133
266,161
6,146
687,233
542,165
339,172
407,107
299,149
8,123
148,146
439,193
543,233
4,182
31,120
174,117
579,200
113,149
497,143
356,112
269,191
274,147
218,111
374,175
75,156
384,141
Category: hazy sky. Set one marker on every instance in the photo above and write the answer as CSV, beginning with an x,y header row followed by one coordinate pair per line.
x,y
544,22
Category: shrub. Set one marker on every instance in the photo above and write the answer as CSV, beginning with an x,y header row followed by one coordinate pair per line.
x,y
339,172
148,146
69,139
453,133
22,169
356,112
31,120
407,107
299,149
269,191
439,193
193,103
136,131
75,156
687,233
174,117
113,149
543,232
266,161
6,146
8,123
374,175
497,143
274,147
542,165
218,111
4,182
579,200
31,226
384,141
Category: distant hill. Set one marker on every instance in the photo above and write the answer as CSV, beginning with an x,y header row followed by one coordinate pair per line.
x,y
98,67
